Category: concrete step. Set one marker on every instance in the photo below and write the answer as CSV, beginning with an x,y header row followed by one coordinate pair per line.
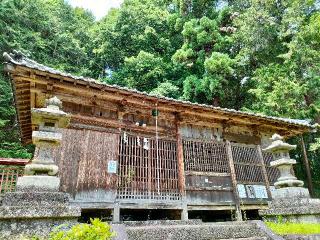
x,y
203,231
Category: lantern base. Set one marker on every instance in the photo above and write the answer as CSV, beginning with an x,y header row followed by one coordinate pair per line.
x,y
290,192
292,183
38,184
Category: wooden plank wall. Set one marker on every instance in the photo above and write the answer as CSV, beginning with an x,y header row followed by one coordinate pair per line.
x,y
83,159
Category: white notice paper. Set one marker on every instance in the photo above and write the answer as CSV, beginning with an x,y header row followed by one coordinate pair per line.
x,y
241,191
112,166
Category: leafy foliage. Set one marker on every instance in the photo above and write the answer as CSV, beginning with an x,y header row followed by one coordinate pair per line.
x,y
166,89
96,230
50,31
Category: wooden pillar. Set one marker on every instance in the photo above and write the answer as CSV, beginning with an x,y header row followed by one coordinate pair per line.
x,y
307,166
234,182
264,171
181,173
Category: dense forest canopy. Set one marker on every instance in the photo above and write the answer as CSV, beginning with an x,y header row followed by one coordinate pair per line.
x,y
260,56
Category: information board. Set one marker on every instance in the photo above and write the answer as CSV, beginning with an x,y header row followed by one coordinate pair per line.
x,y
242,191
112,166
260,191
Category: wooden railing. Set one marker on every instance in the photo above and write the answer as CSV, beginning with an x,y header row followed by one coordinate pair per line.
x,y
10,170
212,157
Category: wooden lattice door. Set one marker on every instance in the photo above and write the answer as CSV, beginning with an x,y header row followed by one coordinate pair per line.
x,y
147,170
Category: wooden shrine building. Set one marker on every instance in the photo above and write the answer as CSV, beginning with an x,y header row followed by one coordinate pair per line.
x,y
126,149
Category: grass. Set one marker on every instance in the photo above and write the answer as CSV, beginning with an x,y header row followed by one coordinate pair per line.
x,y
294,228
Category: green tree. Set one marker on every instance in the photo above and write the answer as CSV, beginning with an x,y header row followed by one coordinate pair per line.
x,y
278,46
53,33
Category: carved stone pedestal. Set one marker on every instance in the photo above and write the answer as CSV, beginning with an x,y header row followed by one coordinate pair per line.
x,y
290,201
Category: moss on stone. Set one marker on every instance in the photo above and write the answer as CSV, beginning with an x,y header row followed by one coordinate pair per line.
x,y
294,228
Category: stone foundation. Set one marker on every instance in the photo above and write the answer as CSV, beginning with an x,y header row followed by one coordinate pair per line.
x,y
35,213
195,230
18,228
296,207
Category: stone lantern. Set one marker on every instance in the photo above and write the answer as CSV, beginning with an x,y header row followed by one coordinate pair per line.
x,y
282,161
290,199
41,173
37,206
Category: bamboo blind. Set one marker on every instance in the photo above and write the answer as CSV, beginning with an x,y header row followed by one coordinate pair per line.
x,y
246,162
143,175
8,178
205,156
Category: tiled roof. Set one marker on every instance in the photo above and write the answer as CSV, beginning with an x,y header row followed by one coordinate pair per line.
x,y
17,58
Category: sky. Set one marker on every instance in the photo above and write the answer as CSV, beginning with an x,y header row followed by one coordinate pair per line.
x,y
98,7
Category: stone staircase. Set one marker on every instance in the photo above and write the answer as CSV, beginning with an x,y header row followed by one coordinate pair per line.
x,y
194,230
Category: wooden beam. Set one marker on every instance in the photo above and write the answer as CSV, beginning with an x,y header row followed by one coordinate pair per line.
x,y
307,166
264,171
116,124
208,174
213,188
181,173
234,181
180,159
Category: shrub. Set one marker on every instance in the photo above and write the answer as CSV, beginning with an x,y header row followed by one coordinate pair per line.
x,y
97,230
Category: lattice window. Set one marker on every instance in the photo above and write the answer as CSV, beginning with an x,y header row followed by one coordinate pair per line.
x,y
144,174
247,164
8,177
205,156
273,173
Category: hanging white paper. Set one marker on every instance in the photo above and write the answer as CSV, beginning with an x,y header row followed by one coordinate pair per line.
x,y
125,137
146,143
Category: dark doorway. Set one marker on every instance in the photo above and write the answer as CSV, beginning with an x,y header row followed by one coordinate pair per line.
x,y
149,214
211,216
103,214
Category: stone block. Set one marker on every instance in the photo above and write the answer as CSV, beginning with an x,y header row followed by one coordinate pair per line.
x,y
35,213
157,230
21,228
38,184
34,198
293,209
57,211
290,192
